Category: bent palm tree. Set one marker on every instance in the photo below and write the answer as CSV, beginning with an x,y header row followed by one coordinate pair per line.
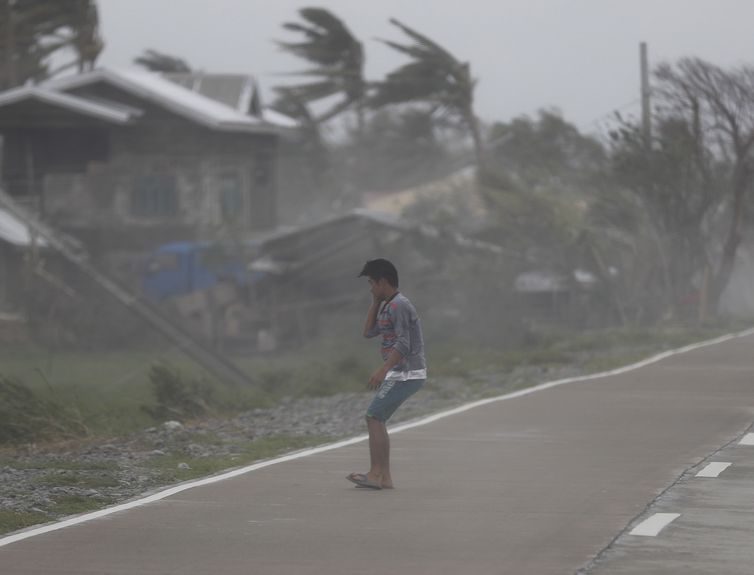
x,y
339,58
32,31
434,75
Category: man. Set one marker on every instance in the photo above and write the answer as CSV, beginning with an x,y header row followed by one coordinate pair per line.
x,y
403,371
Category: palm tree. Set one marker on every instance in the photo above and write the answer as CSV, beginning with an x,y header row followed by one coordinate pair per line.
x,y
31,31
433,75
339,61
86,40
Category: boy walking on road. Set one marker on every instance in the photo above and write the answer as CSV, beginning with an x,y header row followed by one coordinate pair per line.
x,y
404,368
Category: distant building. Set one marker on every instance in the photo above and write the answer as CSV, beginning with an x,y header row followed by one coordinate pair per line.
x,y
127,159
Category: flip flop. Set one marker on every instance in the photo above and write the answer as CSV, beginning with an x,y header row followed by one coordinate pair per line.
x,y
365,487
361,480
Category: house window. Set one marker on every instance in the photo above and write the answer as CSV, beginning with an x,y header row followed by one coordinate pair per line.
x,y
154,196
231,198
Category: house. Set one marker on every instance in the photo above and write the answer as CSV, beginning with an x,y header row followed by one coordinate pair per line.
x,y
125,160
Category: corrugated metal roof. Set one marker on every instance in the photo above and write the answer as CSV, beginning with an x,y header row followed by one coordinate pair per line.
x,y
234,90
14,231
174,97
102,111
230,89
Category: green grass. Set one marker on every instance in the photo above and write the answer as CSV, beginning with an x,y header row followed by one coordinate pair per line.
x,y
246,452
13,521
75,504
58,464
106,388
79,480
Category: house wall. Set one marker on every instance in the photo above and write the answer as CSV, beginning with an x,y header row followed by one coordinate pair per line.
x,y
205,183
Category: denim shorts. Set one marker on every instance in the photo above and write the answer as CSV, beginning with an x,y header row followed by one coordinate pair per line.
x,y
389,397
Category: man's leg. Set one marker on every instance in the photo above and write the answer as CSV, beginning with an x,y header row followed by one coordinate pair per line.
x,y
379,453
386,401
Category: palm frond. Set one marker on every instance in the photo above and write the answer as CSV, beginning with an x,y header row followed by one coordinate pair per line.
x,y
430,45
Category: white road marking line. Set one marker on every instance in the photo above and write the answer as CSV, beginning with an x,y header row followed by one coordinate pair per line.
x,y
652,526
714,469
34,531
747,439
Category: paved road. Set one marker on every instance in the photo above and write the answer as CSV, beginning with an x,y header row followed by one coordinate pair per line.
x,y
534,485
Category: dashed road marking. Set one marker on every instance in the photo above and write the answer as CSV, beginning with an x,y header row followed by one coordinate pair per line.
x,y
714,469
747,439
652,526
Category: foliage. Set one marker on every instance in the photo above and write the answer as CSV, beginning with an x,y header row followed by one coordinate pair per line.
x,y
539,225
433,76
27,417
178,397
402,147
338,58
541,178
32,31
694,179
547,153
670,207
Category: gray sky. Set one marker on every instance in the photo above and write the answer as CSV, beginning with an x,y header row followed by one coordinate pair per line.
x,y
580,56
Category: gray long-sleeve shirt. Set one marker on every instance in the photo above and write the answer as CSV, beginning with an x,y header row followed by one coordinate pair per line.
x,y
400,328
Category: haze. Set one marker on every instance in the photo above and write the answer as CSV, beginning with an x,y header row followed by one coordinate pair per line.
x,y
580,56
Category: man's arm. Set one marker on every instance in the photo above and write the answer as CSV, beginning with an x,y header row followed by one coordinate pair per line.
x,y
379,376
370,326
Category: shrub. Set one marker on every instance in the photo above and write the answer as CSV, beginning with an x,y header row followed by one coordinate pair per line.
x,y
27,417
178,397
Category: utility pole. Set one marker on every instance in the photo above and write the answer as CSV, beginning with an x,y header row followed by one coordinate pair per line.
x,y
646,110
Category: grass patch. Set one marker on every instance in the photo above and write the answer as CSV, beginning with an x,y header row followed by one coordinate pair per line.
x,y
15,520
59,464
78,480
75,504
247,452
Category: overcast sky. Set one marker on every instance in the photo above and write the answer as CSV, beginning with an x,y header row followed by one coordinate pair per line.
x,y
581,56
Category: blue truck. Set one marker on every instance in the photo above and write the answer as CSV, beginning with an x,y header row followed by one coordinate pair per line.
x,y
180,268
